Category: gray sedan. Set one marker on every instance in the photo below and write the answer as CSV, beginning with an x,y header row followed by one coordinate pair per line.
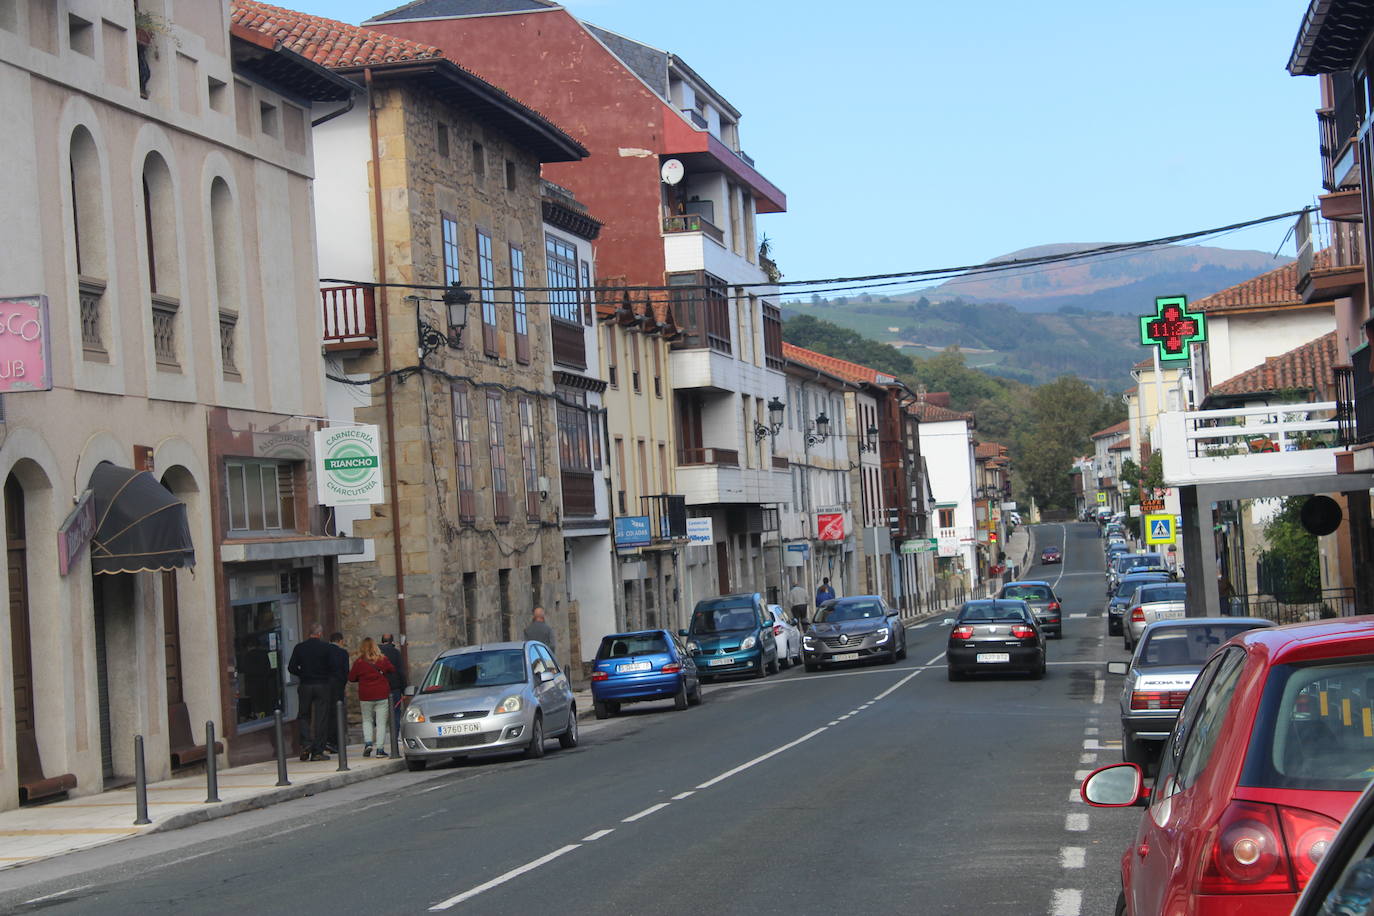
x,y
496,697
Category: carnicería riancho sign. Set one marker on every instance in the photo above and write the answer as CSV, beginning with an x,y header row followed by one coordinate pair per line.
x,y
348,465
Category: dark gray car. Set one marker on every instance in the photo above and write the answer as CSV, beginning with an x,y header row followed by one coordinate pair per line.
x,y
853,629
1044,603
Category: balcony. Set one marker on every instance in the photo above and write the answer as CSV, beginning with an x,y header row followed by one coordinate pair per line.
x,y
569,343
1330,258
350,318
710,476
693,222
1249,443
705,368
724,457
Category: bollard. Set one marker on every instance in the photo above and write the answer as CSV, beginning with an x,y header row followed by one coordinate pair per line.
x,y
281,750
342,719
393,721
211,766
140,784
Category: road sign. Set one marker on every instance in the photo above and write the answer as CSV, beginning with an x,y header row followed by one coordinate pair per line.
x,y
1160,529
1102,497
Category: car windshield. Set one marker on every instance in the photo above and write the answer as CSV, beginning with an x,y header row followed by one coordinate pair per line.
x,y
632,644
972,613
1190,646
483,668
1147,561
1170,591
1128,584
723,618
849,610
1313,727
1027,592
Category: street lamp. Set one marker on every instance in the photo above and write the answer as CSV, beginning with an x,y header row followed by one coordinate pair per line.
x,y
820,430
869,443
455,300
775,410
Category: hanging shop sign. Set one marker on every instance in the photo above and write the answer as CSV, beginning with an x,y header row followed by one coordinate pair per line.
x,y
75,532
348,466
830,526
632,531
699,532
25,350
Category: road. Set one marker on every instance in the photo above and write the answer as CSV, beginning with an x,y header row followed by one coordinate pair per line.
x,y
867,790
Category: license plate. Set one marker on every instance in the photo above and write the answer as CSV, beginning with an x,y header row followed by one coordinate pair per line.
x,y
460,728
721,661
844,657
634,666
994,657
1169,615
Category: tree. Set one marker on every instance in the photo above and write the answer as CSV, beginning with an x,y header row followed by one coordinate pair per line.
x,y
1063,416
1290,569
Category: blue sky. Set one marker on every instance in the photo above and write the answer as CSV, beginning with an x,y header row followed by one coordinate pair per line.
x,y
916,134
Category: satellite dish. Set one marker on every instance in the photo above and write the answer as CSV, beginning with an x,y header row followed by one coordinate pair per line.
x,y
1320,515
672,171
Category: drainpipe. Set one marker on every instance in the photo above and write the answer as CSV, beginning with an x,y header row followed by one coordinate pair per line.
x,y
389,382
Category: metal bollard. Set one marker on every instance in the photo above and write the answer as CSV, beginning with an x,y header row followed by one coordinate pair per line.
x,y
393,721
140,784
342,718
281,750
211,766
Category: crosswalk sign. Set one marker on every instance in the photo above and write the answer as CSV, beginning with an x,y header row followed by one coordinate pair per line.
x,y
1159,529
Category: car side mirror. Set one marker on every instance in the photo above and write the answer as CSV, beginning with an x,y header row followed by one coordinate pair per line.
x,y
1119,785
1116,667
409,691
792,621
682,632
947,622
546,676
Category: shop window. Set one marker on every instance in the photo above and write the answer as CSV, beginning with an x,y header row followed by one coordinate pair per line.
x,y
261,496
462,453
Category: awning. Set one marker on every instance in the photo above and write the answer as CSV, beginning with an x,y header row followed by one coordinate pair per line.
x,y
139,525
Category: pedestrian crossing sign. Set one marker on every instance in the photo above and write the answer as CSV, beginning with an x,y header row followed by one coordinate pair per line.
x,y
1159,529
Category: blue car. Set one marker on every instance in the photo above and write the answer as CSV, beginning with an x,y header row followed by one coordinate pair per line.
x,y
647,665
732,634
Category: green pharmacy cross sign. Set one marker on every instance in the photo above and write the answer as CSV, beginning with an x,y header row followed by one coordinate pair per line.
x,y
1172,327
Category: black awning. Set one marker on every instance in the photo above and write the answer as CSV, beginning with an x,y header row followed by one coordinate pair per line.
x,y
139,525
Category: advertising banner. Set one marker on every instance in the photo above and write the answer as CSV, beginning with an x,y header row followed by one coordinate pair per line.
x,y
632,531
348,466
25,350
699,533
830,526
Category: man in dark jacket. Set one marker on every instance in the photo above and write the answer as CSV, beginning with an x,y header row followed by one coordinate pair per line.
x,y
337,685
312,662
397,679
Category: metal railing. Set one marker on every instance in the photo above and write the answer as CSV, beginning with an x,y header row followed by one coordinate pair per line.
x,y
723,457
1320,604
693,222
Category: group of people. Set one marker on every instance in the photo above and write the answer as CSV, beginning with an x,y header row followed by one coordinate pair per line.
x,y
323,671
796,597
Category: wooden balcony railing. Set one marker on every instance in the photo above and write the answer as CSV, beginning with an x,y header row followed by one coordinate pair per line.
x,y
350,318
721,457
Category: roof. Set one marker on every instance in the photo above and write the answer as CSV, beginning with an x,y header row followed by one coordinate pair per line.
x,y
350,48
1123,426
927,412
840,368
1306,368
1122,446
989,450
1278,287
444,9
259,56
650,311
1331,36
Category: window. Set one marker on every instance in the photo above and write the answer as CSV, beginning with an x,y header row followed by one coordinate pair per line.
x,y
479,161
561,259
702,308
218,92
441,139
620,470
658,367
270,119
529,458
449,248
612,367
227,265
643,456
510,175
663,468
518,305
574,430
159,230
587,300
261,495
88,236
946,518
462,453
1201,737
772,336
80,35
486,282
634,361
496,430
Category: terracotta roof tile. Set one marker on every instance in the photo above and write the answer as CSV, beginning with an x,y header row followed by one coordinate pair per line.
x,y
840,368
1122,446
989,450
1277,287
1306,368
327,41
1123,426
927,412
615,301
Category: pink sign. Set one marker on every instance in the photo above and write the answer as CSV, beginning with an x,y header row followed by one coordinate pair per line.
x,y
24,344
830,526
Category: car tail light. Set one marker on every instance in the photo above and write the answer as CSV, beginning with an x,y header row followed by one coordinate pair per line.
x,y
1137,615
777,629
1021,631
962,632
1246,855
671,668
1054,606
1158,699
1308,836
600,675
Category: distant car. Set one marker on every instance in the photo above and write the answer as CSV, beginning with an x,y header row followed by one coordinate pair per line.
x,y
1044,603
1051,554
1152,601
994,635
732,634
1014,517
1269,754
1114,549
494,697
788,635
645,665
1134,563
1116,604
1161,673
853,629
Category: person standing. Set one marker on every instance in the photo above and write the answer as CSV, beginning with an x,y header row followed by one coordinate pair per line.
x,y
397,678
312,662
538,628
338,682
824,593
796,597
371,672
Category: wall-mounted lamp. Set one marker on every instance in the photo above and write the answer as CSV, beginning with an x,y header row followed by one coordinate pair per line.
x,y
455,300
820,430
869,443
775,409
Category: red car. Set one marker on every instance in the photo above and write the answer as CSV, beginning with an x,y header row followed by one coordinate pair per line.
x,y
1271,750
1051,555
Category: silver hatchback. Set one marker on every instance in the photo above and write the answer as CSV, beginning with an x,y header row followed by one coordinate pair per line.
x,y
496,697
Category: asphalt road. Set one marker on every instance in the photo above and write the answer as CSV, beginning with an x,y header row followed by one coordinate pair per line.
x,y
867,790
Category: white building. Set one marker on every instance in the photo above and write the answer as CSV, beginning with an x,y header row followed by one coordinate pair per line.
x,y
947,446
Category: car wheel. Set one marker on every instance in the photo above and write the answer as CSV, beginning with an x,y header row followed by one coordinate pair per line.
x,y
811,667
762,669
1126,641
891,657
569,737
773,665
954,674
1120,905
680,698
535,748
602,710
784,662
1039,673
695,696
901,653
415,764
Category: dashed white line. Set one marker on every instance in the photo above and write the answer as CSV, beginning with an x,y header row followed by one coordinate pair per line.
x,y
1090,731
1076,796
1072,857
1066,903
762,757
502,879
1080,775
936,658
1087,758
70,890
1099,689
681,795
833,722
1076,822
1077,616
645,813
593,837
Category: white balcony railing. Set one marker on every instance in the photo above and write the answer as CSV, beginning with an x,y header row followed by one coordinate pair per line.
x,y
1248,443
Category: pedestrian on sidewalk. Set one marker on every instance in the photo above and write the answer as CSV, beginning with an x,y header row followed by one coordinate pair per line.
x,y
312,662
397,678
824,593
371,673
796,597
539,629
337,684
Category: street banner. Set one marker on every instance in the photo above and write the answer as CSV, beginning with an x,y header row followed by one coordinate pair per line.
x,y
348,466
632,531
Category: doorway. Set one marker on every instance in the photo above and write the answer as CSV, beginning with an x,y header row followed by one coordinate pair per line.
x,y
265,608
722,568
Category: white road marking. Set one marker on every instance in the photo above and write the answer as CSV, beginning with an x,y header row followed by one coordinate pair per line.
x,y
70,890
1091,744
833,722
645,813
1089,731
1066,902
1099,689
1072,857
1076,797
1080,775
681,795
593,837
1075,616
1076,822
893,689
502,879
1087,758
762,757
846,716
1063,553
936,659
433,788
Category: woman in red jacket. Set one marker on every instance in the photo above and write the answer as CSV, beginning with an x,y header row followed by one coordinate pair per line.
x,y
374,694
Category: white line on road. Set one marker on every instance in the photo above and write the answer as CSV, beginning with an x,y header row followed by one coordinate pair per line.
x,y
1076,796
502,879
593,837
1066,903
645,813
762,757
935,659
1077,822
893,689
1074,616
846,716
833,722
1099,689
681,795
1080,775
70,890
1090,731
1072,856
1087,758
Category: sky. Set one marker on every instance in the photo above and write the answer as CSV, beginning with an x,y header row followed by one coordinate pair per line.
x,y
910,134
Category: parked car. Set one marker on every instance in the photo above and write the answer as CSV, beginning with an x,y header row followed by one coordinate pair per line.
x,y
994,635
1270,752
645,665
788,635
1133,563
1044,603
1115,548
1125,588
732,634
853,629
494,697
1160,674
1152,601
1114,530
1051,554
